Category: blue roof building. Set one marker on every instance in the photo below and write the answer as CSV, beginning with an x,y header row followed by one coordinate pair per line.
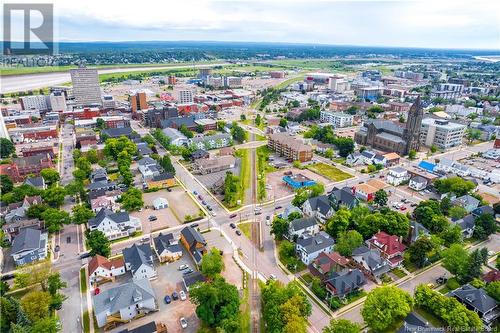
x,y
427,166
298,181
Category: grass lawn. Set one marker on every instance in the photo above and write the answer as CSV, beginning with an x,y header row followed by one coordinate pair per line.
x,y
307,277
432,319
288,82
246,229
21,292
245,312
244,171
83,281
398,272
329,172
259,137
263,168
86,322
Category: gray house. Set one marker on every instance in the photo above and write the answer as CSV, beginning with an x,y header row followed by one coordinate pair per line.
x,y
340,284
469,203
467,224
478,301
318,207
370,261
139,260
303,225
29,245
124,302
309,247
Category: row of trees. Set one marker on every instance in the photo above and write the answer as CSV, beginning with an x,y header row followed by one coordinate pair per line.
x,y
232,189
326,135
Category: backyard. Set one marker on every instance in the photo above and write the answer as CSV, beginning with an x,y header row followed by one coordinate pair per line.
x,y
329,171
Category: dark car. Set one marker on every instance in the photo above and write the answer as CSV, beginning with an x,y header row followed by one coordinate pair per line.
x,y
209,208
203,203
152,218
7,277
278,207
187,271
232,225
167,299
57,248
175,296
194,225
200,197
413,205
84,255
169,189
238,232
232,216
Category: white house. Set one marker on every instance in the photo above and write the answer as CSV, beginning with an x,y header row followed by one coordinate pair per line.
x,y
318,207
101,268
298,227
418,183
115,225
125,302
167,247
397,176
160,203
309,247
139,261
176,137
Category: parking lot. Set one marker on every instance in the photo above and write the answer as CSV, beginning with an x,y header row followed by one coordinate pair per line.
x,y
278,187
209,180
169,280
480,163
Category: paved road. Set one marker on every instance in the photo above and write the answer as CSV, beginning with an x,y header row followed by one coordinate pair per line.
x,y
14,83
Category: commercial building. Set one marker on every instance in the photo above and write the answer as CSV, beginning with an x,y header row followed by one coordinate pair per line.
x,y
35,102
277,74
138,102
211,165
368,93
338,83
185,97
57,101
232,81
441,133
336,119
289,147
86,86
108,102
19,168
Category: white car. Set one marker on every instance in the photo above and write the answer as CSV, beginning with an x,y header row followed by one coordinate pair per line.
x,y
182,295
183,322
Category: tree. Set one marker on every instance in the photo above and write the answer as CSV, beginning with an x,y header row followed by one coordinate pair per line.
x,y
476,260
9,308
212,263
258,119
484,226
279,227
329,153
54,196
113,147
54,219
46,325
342,326
238,132
381,198
283,122
81,214
167,165
456,260
6,148
100,123
317,288
50,176
132,199
345,146
98,243
493,289
36,305
231,189
418,251
6,184
339,222
445,205
384,306
348,241
457,212
412,154
473,134
457,185
55,283
84,165
217,303
451,235
92,156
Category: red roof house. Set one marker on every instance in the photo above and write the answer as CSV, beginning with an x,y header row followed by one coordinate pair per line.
x,y
492,276
328,262
390,247
101,268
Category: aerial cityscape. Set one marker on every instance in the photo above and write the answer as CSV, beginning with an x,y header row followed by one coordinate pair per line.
x,y
250,167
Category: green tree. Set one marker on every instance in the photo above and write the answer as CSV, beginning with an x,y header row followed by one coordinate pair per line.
x,y
457,185
232,189
456,260
212,263
279,227
100,123
412,154
493,289
342,326
473,134
55,219
92,156
339,222
317,288
36,305
81,214
98,243
46,325
54,196
9,308
55,283
167,165
238,132
84,165
452,235
50,176
381,198
484,226
348,241
6,184
384,306
476,260
419,250
445,205
457,212
6,148
283,122
132,199
199,128
258,119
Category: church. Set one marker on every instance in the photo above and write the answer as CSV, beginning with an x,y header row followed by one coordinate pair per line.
x,y
388,136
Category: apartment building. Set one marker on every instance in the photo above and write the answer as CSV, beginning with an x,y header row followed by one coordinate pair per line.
x,y
138,102
289,147
86,86
185,97
441,133
336,119
37,102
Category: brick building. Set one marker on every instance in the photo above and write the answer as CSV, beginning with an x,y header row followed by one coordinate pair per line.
x,y
289,147
19,168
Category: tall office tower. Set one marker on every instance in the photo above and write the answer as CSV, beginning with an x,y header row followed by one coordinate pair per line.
x,y
413,126
185,97
138,102
86,86
204,73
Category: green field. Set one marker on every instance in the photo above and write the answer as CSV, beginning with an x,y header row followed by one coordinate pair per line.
x,y
329,172
244,171
288,82
83,281
246,229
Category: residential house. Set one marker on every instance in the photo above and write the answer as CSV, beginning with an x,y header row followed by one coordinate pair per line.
x,y
318,207
208,142
370,261
468,202
467,224
167,248
326,263
37,182
194,243
103,269
368,157
11,230
483,210
192,278
366,191
117,132
417,230
115,225
148,168
139,260
143,149
17,211
390,247
216,164
354,159
289,210
418,183
302,225
102,185
478,301
176,137
308,247
151,327
415,323
340,284
124,303
343,197
99,175
104,202
160,203
397,176
199,154
162,180
391,159
29,245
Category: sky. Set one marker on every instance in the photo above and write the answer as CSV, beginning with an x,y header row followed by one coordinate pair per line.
x,y
471,24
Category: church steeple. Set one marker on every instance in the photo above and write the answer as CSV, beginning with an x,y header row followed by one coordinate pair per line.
x,y
413,126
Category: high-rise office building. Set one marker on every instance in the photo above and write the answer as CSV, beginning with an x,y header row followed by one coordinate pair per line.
x,y
86,86
138,102
185,97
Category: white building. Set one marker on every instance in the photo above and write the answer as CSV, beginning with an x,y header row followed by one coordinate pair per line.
x,y
418,183
309,247
115,225
101,268
232,81
338,83
185,97
86,87
176,137
336,119
441,133
108,102
397,176
38,102
57,102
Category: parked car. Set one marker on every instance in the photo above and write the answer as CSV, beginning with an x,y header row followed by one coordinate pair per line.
x,y
183,267
175,296
184,323
203,203
195,193
152,218
182,295
195,225
232,225
188,271
200,197
84,255
167,299
278,207
272,277
403,208
238,232
7,277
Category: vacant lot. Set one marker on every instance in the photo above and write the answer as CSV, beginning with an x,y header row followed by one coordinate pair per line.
x,y
278,187
329,171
